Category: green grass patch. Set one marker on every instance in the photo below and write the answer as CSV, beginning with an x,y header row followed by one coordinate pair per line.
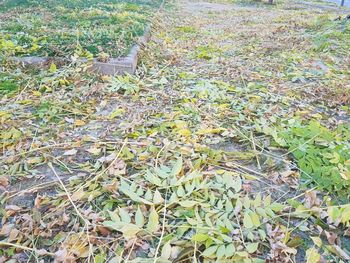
x,y
59,28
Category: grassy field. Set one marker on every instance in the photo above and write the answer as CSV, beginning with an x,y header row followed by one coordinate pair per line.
x,y
60,28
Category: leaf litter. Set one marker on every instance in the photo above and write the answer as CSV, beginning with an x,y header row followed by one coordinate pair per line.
x,y
220,149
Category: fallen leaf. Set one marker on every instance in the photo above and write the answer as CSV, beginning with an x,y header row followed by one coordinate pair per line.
x,y
70,152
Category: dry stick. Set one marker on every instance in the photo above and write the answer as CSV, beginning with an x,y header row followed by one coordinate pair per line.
x,y
163,228
245,168
68,195
59,145
37,149
100,173
131,249
86,222
194,252
158,154
2,243
240,229
109,166
20,94
32,189
62,163
254,148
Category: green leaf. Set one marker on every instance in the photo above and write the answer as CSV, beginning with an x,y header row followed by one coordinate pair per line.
x,y
220,253
200,237
252,247
209,251
230,250
247,221
114,216
124,215
188,203
114,225
228,180
100,258
180,191
277,207
177,167
130,230
255,219
237,184
152,224
166,250
117,113
157,198
139,218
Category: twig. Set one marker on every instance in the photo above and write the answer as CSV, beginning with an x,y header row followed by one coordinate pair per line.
x,y
163,228
2,243
255,151
68,195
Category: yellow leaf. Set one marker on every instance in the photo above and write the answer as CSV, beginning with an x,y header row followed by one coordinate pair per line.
x,y
79,122
53,68
37,93
317,241
312,256
209,131
184,132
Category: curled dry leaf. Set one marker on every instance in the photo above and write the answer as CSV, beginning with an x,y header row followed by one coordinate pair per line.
x,y
4,182
71,152
6,229
62,256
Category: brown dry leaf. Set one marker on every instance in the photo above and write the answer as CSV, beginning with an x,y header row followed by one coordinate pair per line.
x,y
14,208
4,181
103,230
112,187
77,244
331,237
62,256
291,178
71,152
77,195
118,168
6,229
311,199
13,235
279,251
37,201
107,159
65,218
347,232
41,252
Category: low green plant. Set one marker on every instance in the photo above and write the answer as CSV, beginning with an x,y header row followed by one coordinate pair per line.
x,y
323,155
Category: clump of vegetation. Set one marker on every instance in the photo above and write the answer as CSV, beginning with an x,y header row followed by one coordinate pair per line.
x,y
323,155
58,28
